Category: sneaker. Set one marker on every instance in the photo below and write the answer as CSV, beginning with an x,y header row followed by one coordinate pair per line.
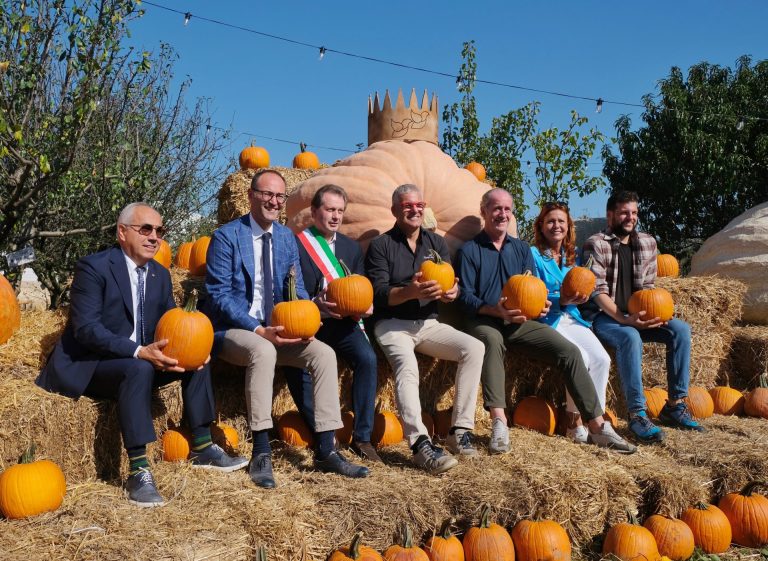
x,y
366,451
260,470
578,434
217,459
336,463
678,416
432,458
142,490
461,443
499,437
607,438
642,427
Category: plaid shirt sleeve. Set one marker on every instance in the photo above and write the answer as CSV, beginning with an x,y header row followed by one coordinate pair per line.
x,y
599,250
644,248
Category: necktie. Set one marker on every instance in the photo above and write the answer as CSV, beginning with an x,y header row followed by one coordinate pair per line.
x,y
266,270
140,312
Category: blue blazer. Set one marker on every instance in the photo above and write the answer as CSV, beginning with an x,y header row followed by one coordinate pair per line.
x,y
347,250
101,319
231,269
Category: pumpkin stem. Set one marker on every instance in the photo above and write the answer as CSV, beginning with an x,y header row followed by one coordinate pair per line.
x,y
445,529
527,273
764,380
404,535
191,304
485,512
750,487
590,262
261,553
632,518
435,256
354,547
347,272
702,506
302,146
29,454
292,294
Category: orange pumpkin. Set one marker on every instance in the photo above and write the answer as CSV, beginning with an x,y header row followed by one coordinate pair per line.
x,y
611,417
387,429
700,402
579,279
305,160
477,169
543,540
488,541
189,334
31,487
525,293
163,255
655,398
254,157
436,269
727,400
197,256
747,512
673,537
536,414
183,254
443,421
445,546
711,528
352,294
10,313
355,551
667,265
656,302
300,318
756,401
344,434
403,548
225,436
176,444
292,430
631,542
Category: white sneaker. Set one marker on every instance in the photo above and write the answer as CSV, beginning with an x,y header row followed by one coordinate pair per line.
x,y
607,438
461,443
499,437
432,458
578,434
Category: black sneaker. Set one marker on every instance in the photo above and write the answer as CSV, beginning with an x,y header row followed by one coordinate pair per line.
x,y
217,459
336,463
142,490
366,451
260,470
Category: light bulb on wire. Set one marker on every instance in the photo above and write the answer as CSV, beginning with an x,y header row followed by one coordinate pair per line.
x,y
599,107
322,53
187,17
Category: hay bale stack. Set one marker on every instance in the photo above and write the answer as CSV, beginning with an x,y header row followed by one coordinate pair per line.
x,y
183,283
749,355
32,343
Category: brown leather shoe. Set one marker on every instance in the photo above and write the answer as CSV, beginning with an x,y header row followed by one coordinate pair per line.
x,y
366,451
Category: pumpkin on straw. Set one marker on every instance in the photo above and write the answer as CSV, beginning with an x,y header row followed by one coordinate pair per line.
x,y
543,540
403,548
488,541
31,487
631,542
711,528
355,552
444,546
673,536
747,512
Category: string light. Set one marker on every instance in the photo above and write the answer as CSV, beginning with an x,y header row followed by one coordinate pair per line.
x,y
322,53
599,107
187,17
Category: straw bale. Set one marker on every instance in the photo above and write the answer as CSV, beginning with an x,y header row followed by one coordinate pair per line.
x,y
33,341
183,283
749,355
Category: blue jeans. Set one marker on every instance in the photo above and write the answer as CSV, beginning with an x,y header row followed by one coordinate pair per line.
x,y
628,342
345,337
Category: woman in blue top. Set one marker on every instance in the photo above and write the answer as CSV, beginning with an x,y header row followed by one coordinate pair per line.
x,y
554,254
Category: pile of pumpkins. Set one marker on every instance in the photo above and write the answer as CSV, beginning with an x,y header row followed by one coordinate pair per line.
x,y
720,400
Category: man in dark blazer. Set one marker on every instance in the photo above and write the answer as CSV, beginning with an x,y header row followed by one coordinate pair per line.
x,y
248,264
107,349
321,247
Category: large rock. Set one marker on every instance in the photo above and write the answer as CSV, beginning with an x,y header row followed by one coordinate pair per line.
x,y
740,250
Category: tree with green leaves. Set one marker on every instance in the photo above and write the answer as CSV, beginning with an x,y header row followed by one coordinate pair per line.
x,y
701,157
88,125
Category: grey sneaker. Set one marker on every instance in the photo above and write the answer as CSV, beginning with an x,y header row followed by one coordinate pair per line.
x,y
607,438
142,491
460,442
217,459
433,458
499,437
578,434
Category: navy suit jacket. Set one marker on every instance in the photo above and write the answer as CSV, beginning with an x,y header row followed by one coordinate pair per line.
x,y
101,319
347,250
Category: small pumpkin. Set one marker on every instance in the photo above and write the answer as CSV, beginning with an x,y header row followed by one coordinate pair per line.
x,y
543,540
443,420
304,159
197,256
163,255
525,293
673,536
189,334
756,401
403,548
292,430
655,398
700,402
727,400
631,542
747,512
477,169
225,436
611,417
579,279
254,157
352,294
656,302
444,546
31,487
667,265
387,429
10,313
183,254
176,444
710,526
488,541
536,414
344,434
299,318
436,269
355,552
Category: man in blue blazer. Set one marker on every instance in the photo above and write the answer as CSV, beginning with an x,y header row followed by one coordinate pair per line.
x,y
107,349
248,262
321,248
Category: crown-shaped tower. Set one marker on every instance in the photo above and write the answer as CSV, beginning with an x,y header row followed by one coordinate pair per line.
x,y
401,122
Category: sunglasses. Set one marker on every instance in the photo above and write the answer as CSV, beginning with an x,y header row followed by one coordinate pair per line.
x,y
421,205
555,204
146,229
268,195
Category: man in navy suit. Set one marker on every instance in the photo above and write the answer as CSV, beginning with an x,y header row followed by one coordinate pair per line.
x,y
321,248
107,349
248,262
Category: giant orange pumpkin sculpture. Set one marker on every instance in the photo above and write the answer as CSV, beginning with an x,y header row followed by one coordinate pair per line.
x,y
189,334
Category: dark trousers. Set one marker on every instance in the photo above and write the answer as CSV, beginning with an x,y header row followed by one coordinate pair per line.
x,y
131,380
350,343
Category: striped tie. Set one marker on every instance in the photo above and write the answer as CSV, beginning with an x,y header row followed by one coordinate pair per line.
x,y
140,313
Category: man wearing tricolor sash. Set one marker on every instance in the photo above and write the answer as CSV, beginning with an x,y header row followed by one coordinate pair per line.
x,y
321,249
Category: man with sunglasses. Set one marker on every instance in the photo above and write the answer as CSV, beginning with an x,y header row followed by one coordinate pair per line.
x,y
248,264
405,321
107,349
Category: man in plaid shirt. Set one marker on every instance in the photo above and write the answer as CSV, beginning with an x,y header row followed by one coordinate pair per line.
x,y
624,261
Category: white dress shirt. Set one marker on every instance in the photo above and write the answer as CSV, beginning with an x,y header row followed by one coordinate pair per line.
x,y
134,278
257,305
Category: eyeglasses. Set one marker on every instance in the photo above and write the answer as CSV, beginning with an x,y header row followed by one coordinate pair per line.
x,y
268,195
555,204
146,229
420,205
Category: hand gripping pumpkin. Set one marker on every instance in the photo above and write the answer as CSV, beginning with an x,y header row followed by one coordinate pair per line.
x,y
189,334
300,318
579,279
655,302
525,293
435,269
31,487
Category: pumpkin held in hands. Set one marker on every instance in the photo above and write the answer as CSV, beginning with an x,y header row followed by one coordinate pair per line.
x,y
578,280
352,294
656,302
525,293
189,334
300,318
31,487
436,269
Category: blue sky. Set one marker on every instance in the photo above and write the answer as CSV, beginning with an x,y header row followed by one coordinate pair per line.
x,y
616,51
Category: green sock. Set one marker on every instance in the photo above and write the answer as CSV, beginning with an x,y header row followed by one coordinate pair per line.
x,y
201,439
137,459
